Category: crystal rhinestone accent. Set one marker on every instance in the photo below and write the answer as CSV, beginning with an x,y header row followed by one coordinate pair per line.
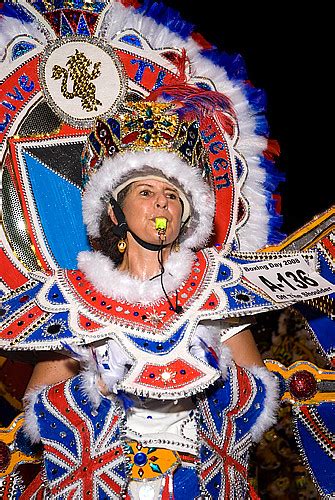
x,y
140,459
303,385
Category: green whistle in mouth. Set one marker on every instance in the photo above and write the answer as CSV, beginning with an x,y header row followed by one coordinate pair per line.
x,y
161,223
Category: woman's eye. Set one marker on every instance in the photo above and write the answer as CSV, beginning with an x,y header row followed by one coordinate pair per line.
x,y
145,192
172,196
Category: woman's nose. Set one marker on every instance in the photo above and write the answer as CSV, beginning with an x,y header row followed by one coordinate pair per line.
x,y
161,201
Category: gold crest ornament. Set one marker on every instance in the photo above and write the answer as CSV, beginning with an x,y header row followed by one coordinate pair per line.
x,y
73,74
78,72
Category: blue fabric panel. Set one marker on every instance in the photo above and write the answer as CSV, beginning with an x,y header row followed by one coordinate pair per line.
x,y
82,28
322,465
327,413
55,327
245,422
322,326
59,206
240,297
12,305
185,483
219,399
159,347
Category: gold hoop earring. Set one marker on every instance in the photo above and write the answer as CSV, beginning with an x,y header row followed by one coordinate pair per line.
x,y
176,246
122,245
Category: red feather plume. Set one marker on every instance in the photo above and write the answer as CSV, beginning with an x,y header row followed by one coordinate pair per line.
x,y
194,103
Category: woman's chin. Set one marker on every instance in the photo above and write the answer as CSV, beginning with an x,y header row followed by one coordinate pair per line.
x,y
154,239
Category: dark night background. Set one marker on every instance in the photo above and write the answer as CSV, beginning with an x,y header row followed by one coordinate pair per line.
x,y
288,55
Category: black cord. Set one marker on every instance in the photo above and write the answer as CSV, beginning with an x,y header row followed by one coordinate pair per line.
x,y
178,309
121,231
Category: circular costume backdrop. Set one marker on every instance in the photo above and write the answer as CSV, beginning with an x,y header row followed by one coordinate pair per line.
x,y
70,66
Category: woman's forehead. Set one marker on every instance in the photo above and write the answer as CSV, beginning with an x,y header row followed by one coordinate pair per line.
x,y
150,182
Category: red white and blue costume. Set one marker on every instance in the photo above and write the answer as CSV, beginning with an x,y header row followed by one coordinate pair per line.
x,y
180,416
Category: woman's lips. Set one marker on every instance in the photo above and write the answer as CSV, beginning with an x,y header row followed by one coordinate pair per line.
x,y
153,219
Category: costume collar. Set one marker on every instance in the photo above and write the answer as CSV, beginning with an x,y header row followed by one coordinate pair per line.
x,y
120,285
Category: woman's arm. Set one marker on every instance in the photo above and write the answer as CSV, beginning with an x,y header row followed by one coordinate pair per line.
x,y
244,349
51,371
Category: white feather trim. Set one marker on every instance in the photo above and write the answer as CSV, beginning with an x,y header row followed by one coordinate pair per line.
x,y
254,233
112,362
89,385
120,285
225,360
89,372
211,336
30,426
109,176
268,417
11,28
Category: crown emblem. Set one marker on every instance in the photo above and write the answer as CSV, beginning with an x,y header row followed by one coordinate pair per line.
x,y
145,126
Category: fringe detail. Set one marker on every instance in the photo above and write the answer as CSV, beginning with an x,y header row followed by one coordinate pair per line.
x,y
168,16
30,426
196,103
106,363
225,361
15,11
269,415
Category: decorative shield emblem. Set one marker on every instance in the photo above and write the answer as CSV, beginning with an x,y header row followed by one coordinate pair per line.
x,y
74,72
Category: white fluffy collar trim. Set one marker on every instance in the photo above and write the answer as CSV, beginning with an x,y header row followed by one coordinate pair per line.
x,y
119,285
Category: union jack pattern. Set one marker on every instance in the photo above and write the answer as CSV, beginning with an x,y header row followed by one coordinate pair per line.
x,y
314,431
227,415
83,455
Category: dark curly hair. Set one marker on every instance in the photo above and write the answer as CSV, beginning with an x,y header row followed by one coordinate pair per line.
x,y
107,241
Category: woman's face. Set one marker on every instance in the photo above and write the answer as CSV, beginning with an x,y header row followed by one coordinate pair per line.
x,y
148,199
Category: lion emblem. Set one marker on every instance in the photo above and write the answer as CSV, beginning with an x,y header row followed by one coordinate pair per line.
x,y
78,70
